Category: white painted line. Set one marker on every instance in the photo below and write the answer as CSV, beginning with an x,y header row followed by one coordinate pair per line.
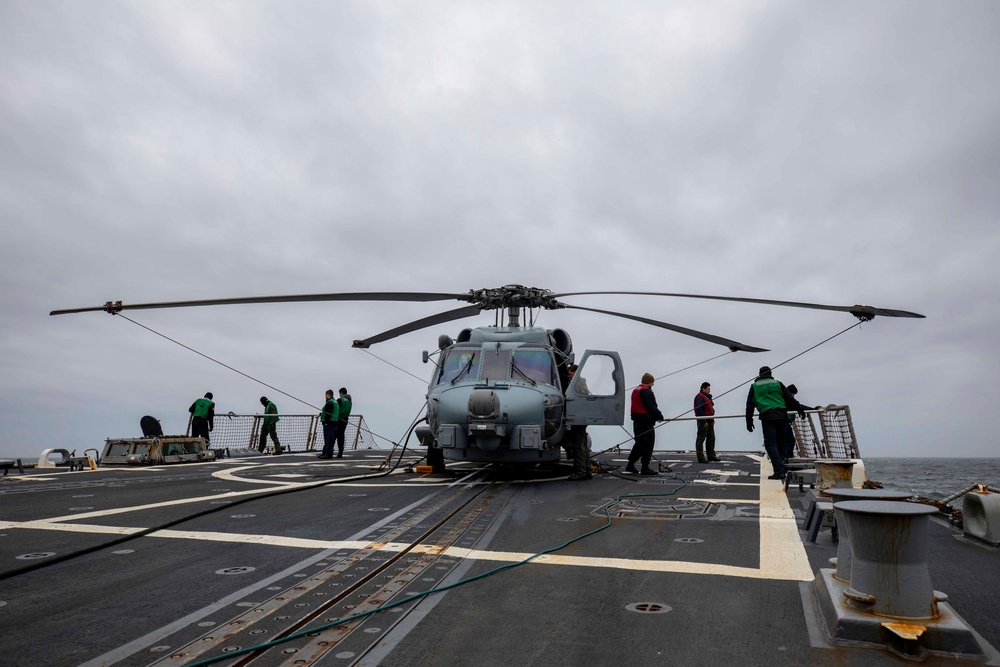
x,y
787,563
782,553
723,501
682,567
712,482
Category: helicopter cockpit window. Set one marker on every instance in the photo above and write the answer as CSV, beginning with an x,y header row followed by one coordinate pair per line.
x,y
535,364
460,364
496,364
596,376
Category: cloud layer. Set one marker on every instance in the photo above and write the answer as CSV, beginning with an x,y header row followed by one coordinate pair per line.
x,y
837,153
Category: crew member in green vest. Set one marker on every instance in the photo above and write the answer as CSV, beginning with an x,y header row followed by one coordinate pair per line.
x,y
202,417
344,403
269,425
329,419
773,401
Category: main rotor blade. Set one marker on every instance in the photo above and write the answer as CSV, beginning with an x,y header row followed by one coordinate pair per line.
x,y
440,318
863,312
718,340
114,307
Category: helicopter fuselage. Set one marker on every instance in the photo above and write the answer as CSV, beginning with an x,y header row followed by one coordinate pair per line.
x,y
498,395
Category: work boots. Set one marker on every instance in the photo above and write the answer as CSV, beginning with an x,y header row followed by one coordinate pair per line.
x,y
631,468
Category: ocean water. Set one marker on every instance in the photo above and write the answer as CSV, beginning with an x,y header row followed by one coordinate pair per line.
x,y
933,477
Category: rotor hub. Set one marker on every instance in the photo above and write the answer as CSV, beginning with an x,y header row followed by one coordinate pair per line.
x,y
513,296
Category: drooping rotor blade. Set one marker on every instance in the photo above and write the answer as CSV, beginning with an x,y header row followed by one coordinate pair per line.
x,y
114,307
440,318
861,312
718,340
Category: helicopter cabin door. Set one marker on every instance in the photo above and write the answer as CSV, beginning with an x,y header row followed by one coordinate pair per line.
x,y
596,396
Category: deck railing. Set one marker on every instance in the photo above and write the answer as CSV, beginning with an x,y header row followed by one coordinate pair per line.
x,y
833,439
297,433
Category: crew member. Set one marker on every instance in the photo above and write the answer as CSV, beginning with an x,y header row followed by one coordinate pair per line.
x,y
344,405
269,425
704,406
789,450
328,418
202,417
773,401
578,449
645,414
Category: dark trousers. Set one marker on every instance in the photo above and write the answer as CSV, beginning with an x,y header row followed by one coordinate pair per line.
x,y
199,428
271,429
329,439
645,437
774,442
579,450
705,439
789,450
341,431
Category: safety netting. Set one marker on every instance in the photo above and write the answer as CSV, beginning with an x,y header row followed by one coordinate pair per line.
x,y
296,433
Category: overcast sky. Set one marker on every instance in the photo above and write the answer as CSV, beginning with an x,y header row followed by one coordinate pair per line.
x,y
841,153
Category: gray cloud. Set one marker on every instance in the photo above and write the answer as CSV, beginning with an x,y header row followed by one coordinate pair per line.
x,y
842,153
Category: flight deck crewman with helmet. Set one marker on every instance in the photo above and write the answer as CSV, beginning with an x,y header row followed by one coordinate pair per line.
x,y
773,401
269,425
202,417
645,414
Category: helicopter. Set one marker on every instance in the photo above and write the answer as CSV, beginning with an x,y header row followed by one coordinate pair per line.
x,y
501,393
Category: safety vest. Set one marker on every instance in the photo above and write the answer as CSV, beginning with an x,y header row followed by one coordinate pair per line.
x,y
708,407
331,412
638,407
202,406
344,403
271,409
767,395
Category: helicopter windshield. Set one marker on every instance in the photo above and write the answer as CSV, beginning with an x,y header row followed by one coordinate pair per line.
x,y
460,363
535,364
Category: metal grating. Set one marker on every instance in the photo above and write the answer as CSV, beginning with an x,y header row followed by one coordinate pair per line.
x,y
838,440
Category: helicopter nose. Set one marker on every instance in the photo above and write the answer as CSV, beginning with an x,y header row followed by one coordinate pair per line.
x,y
484,419
484,404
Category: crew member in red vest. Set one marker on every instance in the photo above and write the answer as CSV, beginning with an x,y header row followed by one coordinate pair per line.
x,y
645,414
705,407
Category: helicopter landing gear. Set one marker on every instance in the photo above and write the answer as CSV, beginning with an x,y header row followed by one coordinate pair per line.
x,y
435,459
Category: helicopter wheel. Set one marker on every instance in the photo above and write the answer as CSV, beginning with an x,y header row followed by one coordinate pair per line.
x,y
435,459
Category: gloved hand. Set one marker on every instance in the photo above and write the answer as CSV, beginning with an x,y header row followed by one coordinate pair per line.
x,y
750,425
802,413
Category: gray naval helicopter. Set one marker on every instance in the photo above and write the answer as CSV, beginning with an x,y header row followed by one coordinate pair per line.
x,y
500,394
